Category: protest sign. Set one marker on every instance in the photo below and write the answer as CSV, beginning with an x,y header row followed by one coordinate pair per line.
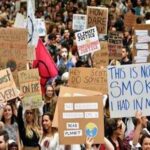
x,y
130,19
20,21
30,53
88,78
13,48
87,41
7,86
30,85
98,16
79,22
115,45
71,92
101,58
41,27
129,90
80,117
141,43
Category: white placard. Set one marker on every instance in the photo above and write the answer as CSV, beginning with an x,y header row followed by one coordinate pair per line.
x,y
85,106
87,41
143,39
91,115
79,22
129,88
20,21
141,32
71,133
143,46
68,106
72,125
73,115
41,27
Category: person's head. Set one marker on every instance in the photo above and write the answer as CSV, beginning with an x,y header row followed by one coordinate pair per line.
x,y
139,2
66,34
115,127
145,142
125,53
144,121
64,52
49,91
47,119
58,38
13,146
3,140
8,114
51,38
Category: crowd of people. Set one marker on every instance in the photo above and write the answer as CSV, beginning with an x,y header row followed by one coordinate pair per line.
x,y
32,129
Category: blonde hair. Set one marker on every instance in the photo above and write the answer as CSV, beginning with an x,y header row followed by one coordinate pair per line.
x,y
35,127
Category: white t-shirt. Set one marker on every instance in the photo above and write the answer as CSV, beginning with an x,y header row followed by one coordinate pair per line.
x,y
51,143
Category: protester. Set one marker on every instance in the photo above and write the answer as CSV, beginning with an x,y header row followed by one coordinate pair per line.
x,y
3,140
28,128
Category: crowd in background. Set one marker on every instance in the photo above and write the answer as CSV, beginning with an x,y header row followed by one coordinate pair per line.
x,y
32,129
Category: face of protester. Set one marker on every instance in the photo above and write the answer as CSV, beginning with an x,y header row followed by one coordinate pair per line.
x,y
146,144
49,91
119,130
29,116
66,34
139,2
3,144
144,121
124,53
46,123
7,112
64,53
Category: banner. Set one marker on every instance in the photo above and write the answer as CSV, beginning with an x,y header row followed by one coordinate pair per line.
x,y
79,22
80,117
7,86
98,16
115,44
13,48
71,92
101,58
129,88
87,41
88,78
30,85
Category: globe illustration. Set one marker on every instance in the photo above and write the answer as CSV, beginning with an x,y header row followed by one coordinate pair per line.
x,y
91,130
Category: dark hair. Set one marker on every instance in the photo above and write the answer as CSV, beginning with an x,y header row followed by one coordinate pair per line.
x,y
111,125
143,137
5,134
13,117
12,145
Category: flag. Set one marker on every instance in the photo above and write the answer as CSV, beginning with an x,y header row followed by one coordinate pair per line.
x,y
45,63
31,25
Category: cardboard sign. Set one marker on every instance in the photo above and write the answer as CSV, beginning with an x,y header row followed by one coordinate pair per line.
x,y
141,43
13,48
98,16
41,27
88,78
30,85
115,45
79,22
129,89
71,92
7,86
101,58
130,19
31,53
87,41
81,117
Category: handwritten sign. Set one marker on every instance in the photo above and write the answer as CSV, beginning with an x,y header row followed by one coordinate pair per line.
x,y
101,58
79,22
7,86
98,16
30,85
130,19
115,45
129,90
13,47
80,117
87,41
30,53
88,78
